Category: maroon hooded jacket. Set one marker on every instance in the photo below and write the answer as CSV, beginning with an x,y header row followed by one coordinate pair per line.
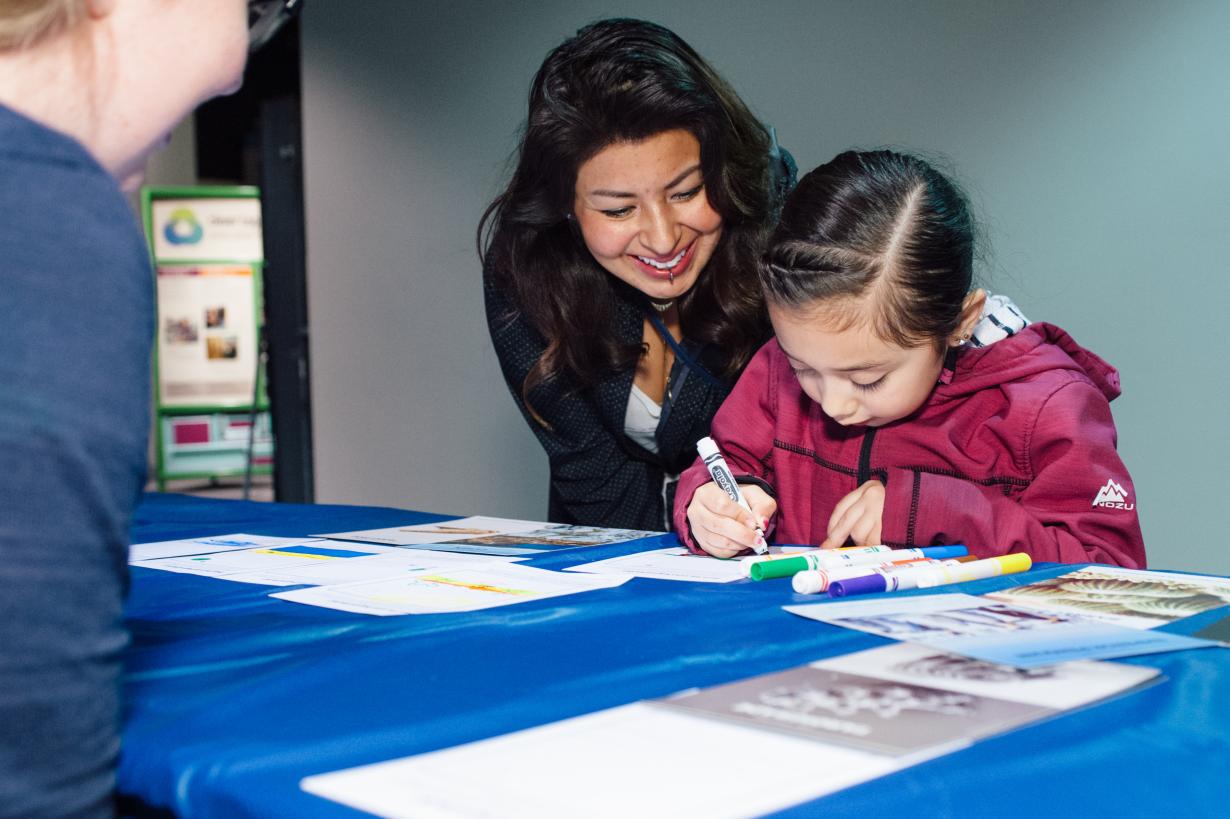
x,y
1014,451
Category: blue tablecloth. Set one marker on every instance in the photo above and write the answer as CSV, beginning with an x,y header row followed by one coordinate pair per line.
x,y
233,697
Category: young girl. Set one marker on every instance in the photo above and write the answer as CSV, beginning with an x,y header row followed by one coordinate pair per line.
x,y
872,418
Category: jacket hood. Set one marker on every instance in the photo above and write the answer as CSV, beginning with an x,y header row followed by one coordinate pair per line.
x,y
1038,348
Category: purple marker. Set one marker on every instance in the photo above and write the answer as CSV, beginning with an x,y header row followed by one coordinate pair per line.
x,y
899,578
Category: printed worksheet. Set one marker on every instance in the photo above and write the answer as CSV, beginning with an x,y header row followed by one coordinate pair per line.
x,y
274,565
1124,597
907,700
996,632
1060,687
493,536
205,545
451,589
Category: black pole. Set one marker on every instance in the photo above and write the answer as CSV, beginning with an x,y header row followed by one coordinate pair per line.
x,y
286,315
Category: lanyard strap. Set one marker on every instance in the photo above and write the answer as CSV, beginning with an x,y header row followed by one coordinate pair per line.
x,y
682,354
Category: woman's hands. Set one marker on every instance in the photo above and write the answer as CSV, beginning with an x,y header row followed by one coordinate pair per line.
x,y
858,517
722,527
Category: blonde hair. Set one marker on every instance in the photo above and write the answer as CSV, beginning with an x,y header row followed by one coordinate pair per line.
x,y
25,22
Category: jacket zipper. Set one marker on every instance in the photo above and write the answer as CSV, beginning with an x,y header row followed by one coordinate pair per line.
x,y
864,456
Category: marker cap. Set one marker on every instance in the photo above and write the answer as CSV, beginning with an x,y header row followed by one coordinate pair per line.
x,y
809,582
783,567
1015,562
867,584
707,448
942,552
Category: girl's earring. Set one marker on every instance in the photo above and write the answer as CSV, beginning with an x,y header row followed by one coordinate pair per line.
x,y
963,340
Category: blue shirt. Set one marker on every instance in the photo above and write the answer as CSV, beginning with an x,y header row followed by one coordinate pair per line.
x,y
76,327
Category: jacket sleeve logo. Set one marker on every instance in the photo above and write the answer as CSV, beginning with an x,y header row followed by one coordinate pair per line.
x,y
1113,496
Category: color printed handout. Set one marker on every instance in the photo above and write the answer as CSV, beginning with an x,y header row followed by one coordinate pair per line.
x,y
289,564
674,563
1125,597
991,631
493,536
905,700
205,545
841,721
451,589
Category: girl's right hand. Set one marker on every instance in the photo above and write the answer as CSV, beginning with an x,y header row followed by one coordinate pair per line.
x,y
722,527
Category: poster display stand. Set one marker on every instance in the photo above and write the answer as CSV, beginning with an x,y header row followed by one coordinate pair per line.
x,y
210,404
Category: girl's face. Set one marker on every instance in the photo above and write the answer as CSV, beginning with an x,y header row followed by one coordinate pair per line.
x,y
643,213
856,378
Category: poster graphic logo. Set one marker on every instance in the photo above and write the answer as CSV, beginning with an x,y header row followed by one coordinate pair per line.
x,y
183,228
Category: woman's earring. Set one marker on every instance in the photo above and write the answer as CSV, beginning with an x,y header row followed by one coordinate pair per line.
x,y
963,340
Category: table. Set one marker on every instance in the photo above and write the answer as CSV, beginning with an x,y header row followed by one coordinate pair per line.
x,y
232,696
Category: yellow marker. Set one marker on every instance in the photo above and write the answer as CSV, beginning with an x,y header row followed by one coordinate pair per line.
x,y
932,576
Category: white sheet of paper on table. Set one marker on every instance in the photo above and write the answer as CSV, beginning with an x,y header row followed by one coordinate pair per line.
x,y
451,589
206,545
270,567
674,563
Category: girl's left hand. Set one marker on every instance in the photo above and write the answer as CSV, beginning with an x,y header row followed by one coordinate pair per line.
x,y
858,517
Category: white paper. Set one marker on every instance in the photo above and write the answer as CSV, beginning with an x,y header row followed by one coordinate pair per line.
x,y
206,545
272,565
385,565
638,760
449,589
667,564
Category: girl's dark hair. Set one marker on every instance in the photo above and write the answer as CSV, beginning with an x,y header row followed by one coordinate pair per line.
x,y
879,224
625,81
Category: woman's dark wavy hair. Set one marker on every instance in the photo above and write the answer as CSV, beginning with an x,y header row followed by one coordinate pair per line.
x,y
879,224
625,81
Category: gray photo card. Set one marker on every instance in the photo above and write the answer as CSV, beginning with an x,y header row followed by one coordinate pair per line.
x,y
871,714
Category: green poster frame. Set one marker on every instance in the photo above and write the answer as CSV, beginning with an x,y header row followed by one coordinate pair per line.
x,y
217,413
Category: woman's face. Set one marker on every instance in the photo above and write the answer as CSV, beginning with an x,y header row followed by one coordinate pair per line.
x,y
643,213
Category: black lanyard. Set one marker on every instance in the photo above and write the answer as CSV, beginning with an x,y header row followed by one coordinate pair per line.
x,y
682,354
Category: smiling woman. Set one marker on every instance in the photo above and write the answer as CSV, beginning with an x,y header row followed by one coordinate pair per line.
x,y
617,264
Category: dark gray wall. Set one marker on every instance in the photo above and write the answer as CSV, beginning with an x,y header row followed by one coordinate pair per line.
x,y
1092,137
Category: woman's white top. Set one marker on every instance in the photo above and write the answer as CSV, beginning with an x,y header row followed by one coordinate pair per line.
x,y
641,419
